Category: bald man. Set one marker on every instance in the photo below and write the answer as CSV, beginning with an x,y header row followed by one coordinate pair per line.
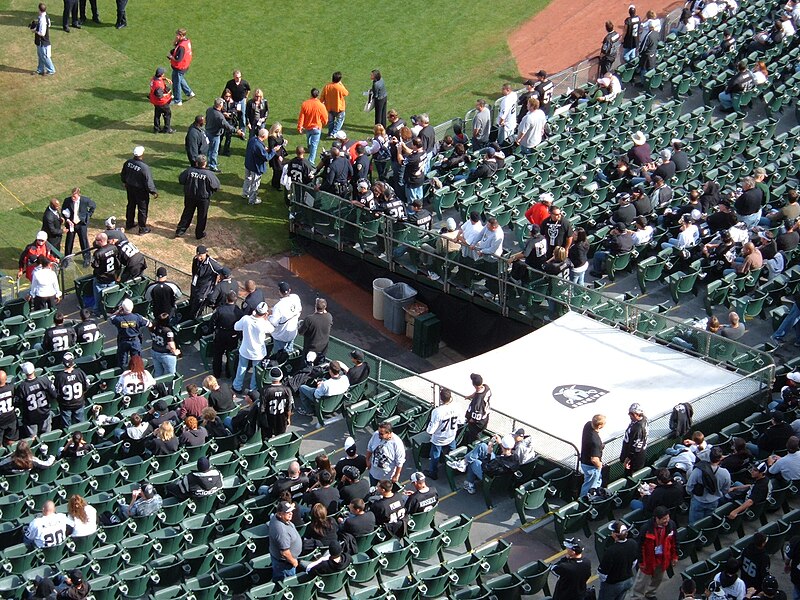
x,y
48,529
8,418
105,266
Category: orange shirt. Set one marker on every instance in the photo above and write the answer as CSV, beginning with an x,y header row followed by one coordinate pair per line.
x,y
537,213
333,95
313,115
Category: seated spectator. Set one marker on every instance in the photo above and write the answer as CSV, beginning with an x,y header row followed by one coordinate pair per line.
x,y
760,73
294,482
698,444
774,437
322,531
740,457
718,254
688,236
723,219
641,153
321,463
643,234
194,404
47,529
625,212
335,561
75,446
422,498
81,517
664,167
789,396
750,260
787,467
205,481
618,242
136,379
323,493
483,459
727,582
523,447
144,501
163,441
766,39
390,509
193,434
243,423
754,493
611,87
213,424
160,413
742,82
359,371
358,522
352,485
220,396
734,329
333,386
664,492
134,434
351,458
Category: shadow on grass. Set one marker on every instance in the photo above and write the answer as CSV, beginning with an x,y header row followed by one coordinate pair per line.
x,y
112,94
110,181
18,17
9,259
101,122
9,69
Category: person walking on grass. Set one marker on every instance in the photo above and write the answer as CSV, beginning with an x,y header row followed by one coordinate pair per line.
x,y
180,57
41,38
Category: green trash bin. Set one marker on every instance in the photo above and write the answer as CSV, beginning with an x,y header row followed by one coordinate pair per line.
x,y
427,333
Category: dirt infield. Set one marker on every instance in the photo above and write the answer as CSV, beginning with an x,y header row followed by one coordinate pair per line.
x,y
568,31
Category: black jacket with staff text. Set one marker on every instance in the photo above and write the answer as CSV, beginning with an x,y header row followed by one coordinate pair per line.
x,y
198,184
136,174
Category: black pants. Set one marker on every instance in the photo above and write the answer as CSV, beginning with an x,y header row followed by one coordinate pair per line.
x,y
277,170
380,110
132,271
93,4
606,64
189,206
224,342
122,18
81,230
70,10
55,240
39,302
138,202
160,111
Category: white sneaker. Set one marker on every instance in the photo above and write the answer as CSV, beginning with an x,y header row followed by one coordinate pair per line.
x,y
433,276
177,103
256,201
192,95
459,465
469,487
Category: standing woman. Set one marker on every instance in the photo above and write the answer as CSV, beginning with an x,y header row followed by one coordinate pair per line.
x,y
274,140
579,256
379,97
256,112
380,150
164,351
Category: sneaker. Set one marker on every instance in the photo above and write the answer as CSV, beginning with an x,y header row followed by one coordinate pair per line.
x,y
156,130
460,465
776,339
180,234
192,95
256,201
200,236
469,487
177,103
144,230
168,130
433,276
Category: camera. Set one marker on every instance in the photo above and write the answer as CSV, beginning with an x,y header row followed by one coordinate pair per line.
x,y
33,25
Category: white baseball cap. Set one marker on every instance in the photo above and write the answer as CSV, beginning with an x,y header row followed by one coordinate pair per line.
x,y
138,151
508,442
262,308
27,368
41,236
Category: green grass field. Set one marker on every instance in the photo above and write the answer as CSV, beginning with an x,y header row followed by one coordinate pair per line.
x,y
77,127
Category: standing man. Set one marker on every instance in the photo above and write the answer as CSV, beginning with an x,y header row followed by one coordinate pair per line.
x,y
129,332
71,386
386,455
33,396
313,116
276,406
573,572
658,551
41,39
161,98
616,567
180,57
205,271
481,125
544,91
216,126
105,266
284,318
199,184
70,13
507,115
634,441
285,544
592,454
196,140
609,50
557,230
531,128
522,100
162,294
8,416
256,159
77,210
240,91
29,259
226,339
316,330
708,483
380,97
254,297
133,261
53,223
333,97
630,42
122,17
477,415
255,328
139,186
95,14
442,428
44,291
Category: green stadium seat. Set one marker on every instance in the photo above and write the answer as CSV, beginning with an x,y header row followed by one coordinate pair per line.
x,y
302,587
572,518
428,543
397,552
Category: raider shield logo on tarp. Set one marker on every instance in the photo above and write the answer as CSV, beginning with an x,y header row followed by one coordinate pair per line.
x,y
573,396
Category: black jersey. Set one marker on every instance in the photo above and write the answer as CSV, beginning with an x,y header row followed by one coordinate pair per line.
x,y
389,510
58,339
420,502
33,397
7,404
87,331
105,264
71,389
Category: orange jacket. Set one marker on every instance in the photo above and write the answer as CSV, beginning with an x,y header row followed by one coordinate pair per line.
x,y
313,115
333,95
160,83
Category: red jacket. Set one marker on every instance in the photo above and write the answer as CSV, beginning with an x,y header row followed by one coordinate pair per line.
x,y
164,84
181,55
652,537
32,252
537,213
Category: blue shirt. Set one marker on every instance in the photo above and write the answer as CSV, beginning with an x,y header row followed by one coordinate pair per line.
x,y
128,329
256,156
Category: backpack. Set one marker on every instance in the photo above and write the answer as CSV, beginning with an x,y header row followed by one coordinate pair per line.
x,y
383,154
709,480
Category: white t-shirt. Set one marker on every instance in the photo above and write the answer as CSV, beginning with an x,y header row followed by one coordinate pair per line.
x,y
44,284
443,425
737,591
642,236
254,333
129,383
689,236
472,233
532,128
285,317
332,387
508,113
46,531
81,529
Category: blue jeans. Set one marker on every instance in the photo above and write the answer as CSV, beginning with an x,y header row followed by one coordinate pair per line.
x,y
592,478
213,151
751,220
598,261
307,400
474,460
98,294
436,452
281,570
628,54
413,193
578,278
615,591
335,122
312,139
242,107
725,100
699,510
179,85
45,62
72,416
281,345
792,319
164,363
241,371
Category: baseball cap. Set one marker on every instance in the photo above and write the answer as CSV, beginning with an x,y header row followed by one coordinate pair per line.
x,y
285,507
335,549
529,82
508,442
795,377
617,527
76,576
349,442
769,584
490,151
604,81
573,544
226,272
161,405
127,305
777,415
450,224
41,236
341,135
541,73
27,368
276,374
203,464
415,477
546,197
284,287
148,490
520,433
636,409
357,354
201,250
68,359
160,71
262,308
254,395
161,272
761,467
311,356
352,472
138,151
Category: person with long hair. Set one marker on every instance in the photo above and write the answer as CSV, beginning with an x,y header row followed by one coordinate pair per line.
x,y
81,516
322,530
193,434
220,396
213,424
579,256
379,150
163,441
164,351
22,459
136,379
276,140
256,112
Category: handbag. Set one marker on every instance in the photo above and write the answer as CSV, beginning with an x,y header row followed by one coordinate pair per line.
x,y
370,103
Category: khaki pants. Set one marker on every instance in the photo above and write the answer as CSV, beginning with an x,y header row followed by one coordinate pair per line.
x,y
645,586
